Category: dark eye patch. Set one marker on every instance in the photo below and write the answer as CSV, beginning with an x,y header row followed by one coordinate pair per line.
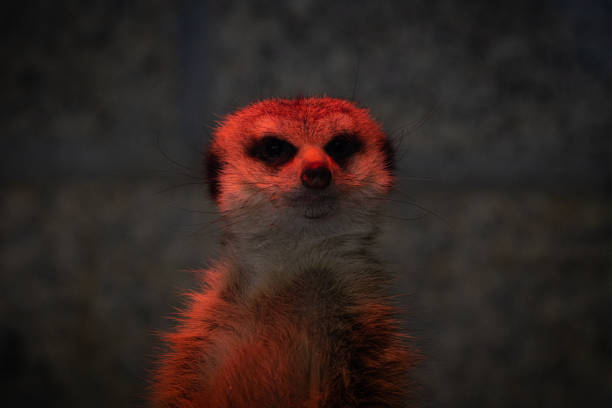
x,y
342,147
272,150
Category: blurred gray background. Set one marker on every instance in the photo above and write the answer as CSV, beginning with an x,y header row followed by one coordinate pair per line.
x,y
502,114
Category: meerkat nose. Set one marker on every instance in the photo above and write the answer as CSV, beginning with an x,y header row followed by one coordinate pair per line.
x,y
316,175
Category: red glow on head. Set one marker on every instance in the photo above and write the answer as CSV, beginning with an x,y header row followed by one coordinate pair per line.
x,y
308,125
311,154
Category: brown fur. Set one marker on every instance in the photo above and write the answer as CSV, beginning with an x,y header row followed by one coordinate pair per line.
x,y
298,317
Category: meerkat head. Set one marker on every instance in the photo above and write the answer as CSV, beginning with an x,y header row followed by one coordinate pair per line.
x,y
308,164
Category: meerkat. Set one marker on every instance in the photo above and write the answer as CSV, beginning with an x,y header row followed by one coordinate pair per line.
x,y
295,313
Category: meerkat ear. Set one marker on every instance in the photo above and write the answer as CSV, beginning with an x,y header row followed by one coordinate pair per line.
x,y
388,151
212,170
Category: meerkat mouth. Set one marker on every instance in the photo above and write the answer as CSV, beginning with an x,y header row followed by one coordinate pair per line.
x,y
314,206
314,213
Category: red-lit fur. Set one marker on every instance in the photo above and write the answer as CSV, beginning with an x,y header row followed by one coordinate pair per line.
x,y
295,312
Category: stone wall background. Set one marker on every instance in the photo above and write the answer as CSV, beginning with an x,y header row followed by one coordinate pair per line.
x,y
502,115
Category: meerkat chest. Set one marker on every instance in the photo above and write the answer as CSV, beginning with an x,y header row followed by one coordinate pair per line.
x,y
280,346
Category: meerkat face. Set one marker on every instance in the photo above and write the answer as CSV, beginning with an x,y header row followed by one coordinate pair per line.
x,y
299,163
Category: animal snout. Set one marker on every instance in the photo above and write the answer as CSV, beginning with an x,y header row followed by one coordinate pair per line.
x,y
316,176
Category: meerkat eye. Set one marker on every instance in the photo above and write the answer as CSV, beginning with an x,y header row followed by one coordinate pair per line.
x,y
342,147
272,151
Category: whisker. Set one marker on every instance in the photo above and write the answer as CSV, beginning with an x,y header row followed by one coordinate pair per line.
x,y
167,189
189,210
167,157
419,206
395,217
